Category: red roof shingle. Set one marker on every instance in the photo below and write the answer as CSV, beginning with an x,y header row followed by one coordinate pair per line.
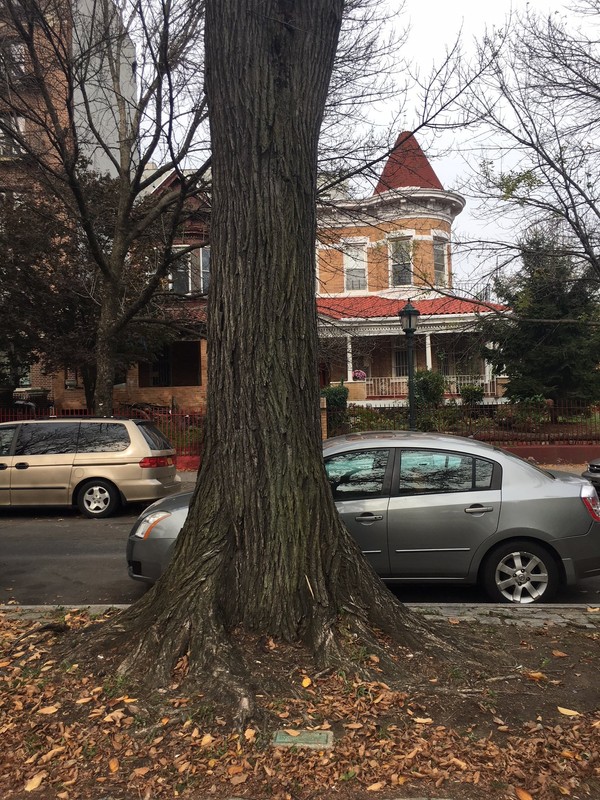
x,y
375,307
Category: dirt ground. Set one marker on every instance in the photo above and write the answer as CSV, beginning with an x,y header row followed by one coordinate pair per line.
x,y
522,722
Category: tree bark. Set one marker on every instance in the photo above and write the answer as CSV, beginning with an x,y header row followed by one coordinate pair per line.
x,y
105,352
263,548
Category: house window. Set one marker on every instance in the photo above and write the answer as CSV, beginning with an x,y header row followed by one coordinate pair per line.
x,y
401,257
400,365
439,261
10,127
12,59
177,365
190,273
355,266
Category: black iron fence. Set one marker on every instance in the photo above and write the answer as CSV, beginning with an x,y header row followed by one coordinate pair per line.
x,y
533,423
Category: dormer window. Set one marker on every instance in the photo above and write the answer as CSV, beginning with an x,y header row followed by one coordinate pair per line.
x,y
401,262
355,266
190,273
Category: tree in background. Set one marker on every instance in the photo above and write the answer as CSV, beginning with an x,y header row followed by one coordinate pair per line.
x,y
548,344
536,103
117,89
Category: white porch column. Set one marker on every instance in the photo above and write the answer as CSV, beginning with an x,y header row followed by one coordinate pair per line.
x,y
488,372
428,356
348,358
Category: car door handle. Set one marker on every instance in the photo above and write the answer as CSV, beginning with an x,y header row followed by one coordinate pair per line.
x,y
369,517
3,466
478,509
21,465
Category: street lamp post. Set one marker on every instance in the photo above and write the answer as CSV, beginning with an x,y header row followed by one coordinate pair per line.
x,y
408,319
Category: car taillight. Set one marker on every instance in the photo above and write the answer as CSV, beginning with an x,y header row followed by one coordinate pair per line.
x,y
151,462
591,501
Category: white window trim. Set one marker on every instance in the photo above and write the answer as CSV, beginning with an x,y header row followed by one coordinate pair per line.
x,y
355,240
400,235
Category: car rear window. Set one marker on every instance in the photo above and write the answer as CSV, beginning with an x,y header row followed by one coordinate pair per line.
x,y
155,438
103,437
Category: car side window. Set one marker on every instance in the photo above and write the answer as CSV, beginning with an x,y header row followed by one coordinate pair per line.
x,y
437,472
103,437
6,439
45,438
358,474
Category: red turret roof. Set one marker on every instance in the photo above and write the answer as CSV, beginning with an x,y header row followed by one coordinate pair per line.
x,y
406,167
375,307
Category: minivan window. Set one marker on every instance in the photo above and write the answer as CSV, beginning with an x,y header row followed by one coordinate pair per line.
x,y
44,438
155,438
6,438
103,437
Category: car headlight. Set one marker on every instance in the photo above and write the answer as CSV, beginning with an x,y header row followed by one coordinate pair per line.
x,y
145,527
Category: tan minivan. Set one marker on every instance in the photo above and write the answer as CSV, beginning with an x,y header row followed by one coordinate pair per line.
x,y
96,464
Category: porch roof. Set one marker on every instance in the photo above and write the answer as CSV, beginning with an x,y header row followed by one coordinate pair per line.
x,y
376,307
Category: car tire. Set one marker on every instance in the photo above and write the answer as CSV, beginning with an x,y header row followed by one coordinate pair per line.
x,y
98,498
520,572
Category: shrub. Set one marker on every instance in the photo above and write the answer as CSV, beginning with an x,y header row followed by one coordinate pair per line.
x,y
471,394
429,387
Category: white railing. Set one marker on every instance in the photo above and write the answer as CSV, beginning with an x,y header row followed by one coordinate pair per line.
x,y
398,387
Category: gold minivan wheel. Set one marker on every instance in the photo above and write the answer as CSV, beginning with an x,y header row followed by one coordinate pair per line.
x,y
98,498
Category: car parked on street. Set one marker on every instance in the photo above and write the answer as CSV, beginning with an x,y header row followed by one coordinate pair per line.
x,y
97,464
438,509
592,473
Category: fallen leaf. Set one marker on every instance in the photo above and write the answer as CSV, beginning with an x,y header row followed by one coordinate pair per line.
x,y
206,740
375,787
48,710
51,753
141,771
559,654
113,764
34,783
522,794
291,732
453,621
423,720
249,734
306,682
235,769
237,779
568,712
353,726
536,676
374,658
591,610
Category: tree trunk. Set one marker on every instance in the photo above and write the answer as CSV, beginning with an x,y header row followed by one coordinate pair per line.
x,y
105,352
263,548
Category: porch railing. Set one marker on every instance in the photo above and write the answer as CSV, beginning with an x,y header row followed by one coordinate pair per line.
x,y
398,387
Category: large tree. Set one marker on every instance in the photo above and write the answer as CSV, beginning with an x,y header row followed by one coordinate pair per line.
x,y
263,548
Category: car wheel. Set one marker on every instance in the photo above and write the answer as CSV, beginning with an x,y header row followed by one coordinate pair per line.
x,y
98,499
521,573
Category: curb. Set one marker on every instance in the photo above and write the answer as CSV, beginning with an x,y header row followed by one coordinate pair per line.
x,y
579,615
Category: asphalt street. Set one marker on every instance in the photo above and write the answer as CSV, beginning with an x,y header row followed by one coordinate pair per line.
x,y
58,557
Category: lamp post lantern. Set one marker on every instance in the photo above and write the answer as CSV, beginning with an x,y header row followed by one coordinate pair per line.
x,y
408,319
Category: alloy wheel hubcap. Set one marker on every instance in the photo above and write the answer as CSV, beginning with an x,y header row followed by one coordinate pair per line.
x,y
521,577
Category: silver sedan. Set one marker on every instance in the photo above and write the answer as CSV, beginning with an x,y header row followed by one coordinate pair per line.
x,y
431,508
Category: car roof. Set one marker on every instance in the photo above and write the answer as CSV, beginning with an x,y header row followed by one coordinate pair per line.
x,y
442,441
73,418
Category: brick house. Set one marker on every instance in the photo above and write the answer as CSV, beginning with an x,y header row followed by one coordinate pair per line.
x,y
373,256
